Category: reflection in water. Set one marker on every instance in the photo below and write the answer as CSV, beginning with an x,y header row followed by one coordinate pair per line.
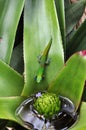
x,y
34,121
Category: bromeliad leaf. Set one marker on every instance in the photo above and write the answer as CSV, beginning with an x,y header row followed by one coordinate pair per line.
x,y
81,123
77,42
11,83
70,82
10,12
73,14
67,3
40,25
9,106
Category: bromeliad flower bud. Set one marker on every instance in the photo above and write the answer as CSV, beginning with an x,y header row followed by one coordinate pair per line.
x,y
48,104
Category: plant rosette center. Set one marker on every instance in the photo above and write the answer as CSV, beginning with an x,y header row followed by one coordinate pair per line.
x,y
48,110
47,104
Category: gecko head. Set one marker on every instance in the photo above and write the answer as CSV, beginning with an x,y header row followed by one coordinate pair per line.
x,y
38,78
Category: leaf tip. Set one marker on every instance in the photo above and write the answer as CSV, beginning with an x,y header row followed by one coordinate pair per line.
x,y
83,53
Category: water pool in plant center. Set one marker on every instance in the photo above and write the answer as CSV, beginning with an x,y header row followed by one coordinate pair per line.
x,y
36,116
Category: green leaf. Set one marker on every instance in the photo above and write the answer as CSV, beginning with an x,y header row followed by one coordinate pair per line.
x,y
71,79
67,3
70,35
10,12
17,59
11,83
78,41
81,123
73,13
61,17
40,25
8,106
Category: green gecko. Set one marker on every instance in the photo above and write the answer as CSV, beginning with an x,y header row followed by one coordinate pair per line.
x,y
43,60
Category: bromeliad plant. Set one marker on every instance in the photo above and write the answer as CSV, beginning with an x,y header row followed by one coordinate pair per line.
x,y
48,94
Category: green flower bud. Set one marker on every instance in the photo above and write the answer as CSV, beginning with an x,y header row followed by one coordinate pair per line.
x,y
48,104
